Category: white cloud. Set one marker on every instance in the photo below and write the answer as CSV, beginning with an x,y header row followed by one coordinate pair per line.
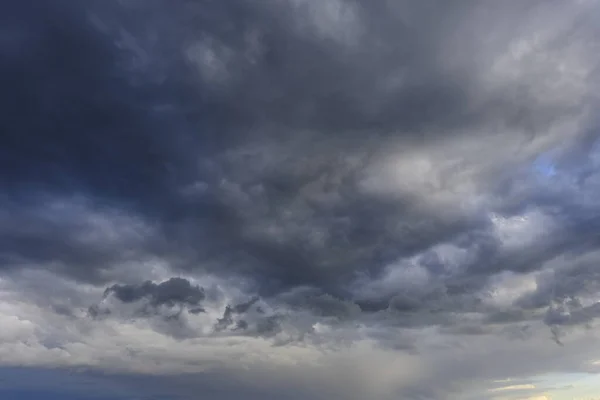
x,y
525,386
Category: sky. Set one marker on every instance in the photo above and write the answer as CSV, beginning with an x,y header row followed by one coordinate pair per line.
x,y
299,199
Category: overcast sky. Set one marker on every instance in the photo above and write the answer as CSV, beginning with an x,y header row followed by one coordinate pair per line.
x,y
299,199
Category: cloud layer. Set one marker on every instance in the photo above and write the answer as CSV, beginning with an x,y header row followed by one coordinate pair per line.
x,y
298,190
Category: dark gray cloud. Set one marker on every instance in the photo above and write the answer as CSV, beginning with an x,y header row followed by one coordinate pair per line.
x,y
167,306
248,318
75,236
58,136
175,291
278,96
368,166
241,308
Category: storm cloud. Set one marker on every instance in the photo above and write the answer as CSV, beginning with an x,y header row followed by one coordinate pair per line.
x,y
305,180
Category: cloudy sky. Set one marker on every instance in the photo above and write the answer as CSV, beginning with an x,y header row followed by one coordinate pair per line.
x,y
299,199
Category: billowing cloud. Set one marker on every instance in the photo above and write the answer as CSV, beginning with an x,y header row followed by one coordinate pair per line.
x,y
301,189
